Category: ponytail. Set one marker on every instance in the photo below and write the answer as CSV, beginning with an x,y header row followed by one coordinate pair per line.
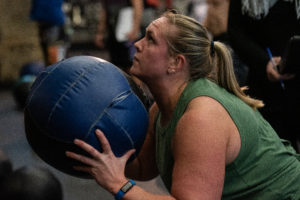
x,y
224,74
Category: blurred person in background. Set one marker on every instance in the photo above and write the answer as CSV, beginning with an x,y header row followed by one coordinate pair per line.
x,y
254,26
51,19
120,50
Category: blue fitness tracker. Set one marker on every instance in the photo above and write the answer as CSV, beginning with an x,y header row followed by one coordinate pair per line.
x,y
125,188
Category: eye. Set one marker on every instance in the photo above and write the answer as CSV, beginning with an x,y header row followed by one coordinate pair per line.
x,y
150,38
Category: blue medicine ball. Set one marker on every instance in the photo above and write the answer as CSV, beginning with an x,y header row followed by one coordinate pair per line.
x,y
73,98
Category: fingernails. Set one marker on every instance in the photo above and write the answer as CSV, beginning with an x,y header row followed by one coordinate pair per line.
x,y
98,131
76,141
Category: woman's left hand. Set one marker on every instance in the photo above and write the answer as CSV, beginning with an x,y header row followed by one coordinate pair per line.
x,y
106,168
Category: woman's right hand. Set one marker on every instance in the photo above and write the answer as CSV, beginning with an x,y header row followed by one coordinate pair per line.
x,y
106,168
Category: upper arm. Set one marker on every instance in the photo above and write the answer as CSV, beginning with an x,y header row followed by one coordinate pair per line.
x,y
144,166
199,150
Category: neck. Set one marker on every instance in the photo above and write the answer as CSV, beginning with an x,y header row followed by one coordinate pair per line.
x,y
166,97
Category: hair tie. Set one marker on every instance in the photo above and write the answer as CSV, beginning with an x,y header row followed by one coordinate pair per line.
x,y
212,48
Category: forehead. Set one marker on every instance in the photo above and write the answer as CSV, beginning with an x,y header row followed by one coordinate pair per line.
x,y
159,26
159,21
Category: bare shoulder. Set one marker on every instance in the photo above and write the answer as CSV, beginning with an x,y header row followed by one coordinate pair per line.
x,y
205,112
207,120
204,118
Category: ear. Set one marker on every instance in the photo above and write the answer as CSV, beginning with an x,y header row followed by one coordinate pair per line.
x,y
177,63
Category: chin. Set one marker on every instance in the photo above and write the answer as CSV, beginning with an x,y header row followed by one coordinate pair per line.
x,y
133,70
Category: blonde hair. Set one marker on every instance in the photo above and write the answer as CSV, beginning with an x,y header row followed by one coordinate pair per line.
x,y
206,59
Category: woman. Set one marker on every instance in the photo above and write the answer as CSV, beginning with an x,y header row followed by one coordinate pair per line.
x,y
206,139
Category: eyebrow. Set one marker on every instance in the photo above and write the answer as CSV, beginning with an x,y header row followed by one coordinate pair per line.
x,y
149,32
152,24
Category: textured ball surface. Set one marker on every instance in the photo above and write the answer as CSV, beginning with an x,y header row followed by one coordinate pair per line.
x,y
73,98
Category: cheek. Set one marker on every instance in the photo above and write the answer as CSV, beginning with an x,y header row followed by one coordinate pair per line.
x,y
152,61
160,59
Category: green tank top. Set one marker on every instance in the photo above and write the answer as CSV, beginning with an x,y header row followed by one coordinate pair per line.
x,y
266,168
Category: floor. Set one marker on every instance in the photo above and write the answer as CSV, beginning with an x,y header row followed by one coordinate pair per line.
x,y
14,144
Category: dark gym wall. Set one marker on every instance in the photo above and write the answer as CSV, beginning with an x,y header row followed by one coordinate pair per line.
x,y
18,39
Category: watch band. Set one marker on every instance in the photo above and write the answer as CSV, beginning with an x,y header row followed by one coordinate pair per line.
x,y
125,188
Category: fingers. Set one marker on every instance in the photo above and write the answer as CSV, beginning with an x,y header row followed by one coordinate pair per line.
x,y
127,155
244,88
80,158
272,73
89,170
97,157
277,59
287,76
104,142
88,148
83,169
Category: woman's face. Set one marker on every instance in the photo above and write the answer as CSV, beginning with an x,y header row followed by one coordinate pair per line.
x,y
152,57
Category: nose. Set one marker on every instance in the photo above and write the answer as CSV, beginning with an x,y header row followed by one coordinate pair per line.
x,y
138,45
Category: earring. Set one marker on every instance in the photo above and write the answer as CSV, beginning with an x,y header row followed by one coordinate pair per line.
x,y
171,71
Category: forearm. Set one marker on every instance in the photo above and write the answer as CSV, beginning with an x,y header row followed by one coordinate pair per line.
x,y
138,8
102,21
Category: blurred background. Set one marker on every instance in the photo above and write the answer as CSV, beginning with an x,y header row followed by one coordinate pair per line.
x,y
28,45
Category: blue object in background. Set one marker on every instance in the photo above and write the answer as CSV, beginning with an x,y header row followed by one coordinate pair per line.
x,y
47,11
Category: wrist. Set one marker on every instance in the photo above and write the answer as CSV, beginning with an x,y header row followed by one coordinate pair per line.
x,y
114,187
124,189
